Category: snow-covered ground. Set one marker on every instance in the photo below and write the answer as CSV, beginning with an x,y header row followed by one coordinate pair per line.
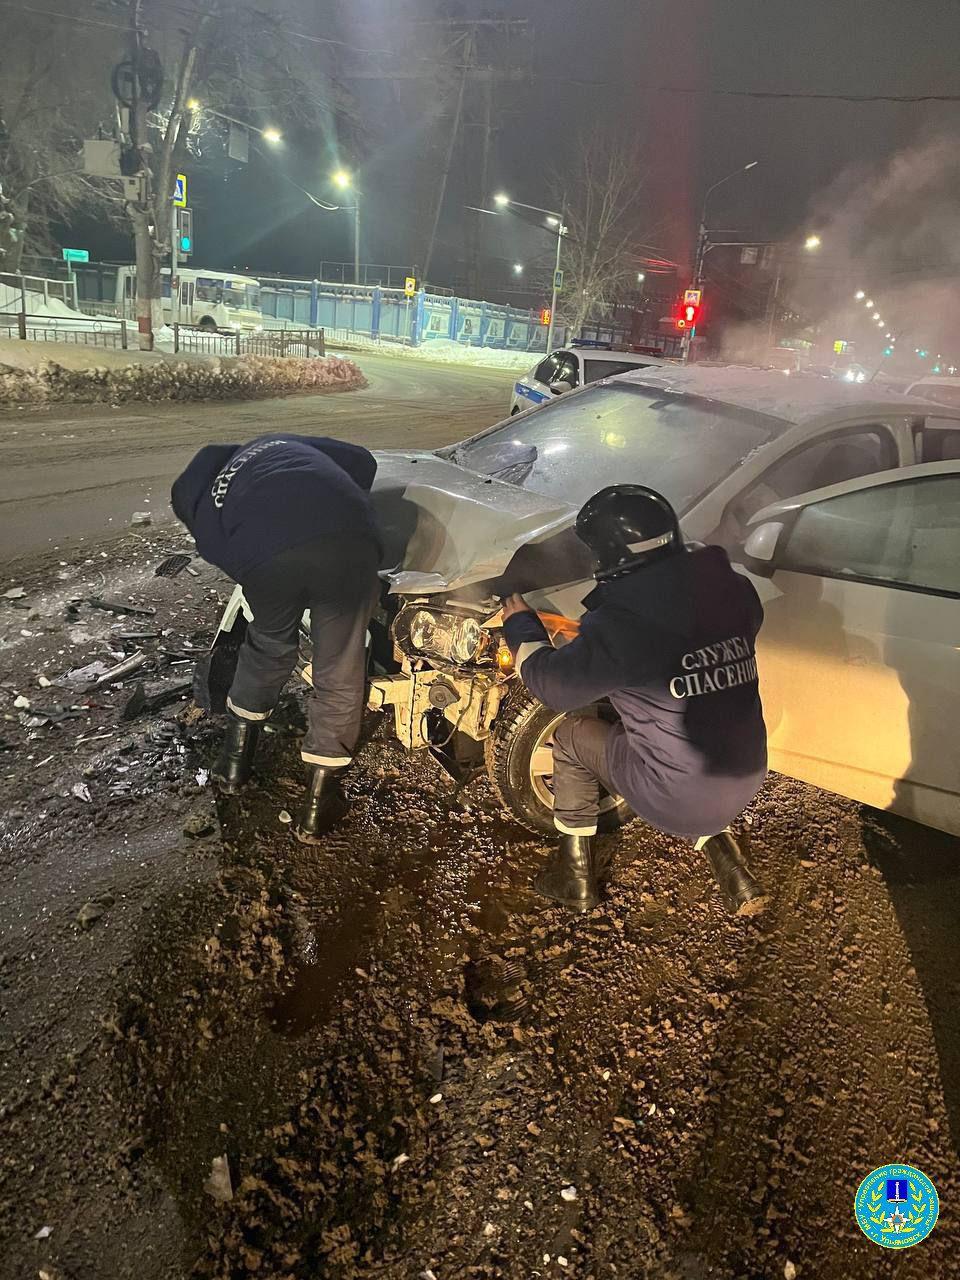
x,y
442,350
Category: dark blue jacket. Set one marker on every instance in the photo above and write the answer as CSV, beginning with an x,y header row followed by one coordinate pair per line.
x,y
672,647
246,503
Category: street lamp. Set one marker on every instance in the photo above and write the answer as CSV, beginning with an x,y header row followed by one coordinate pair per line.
x,y
702,241
271,135
811,243
869,303
518,268
640,277
343,180
859,295
502,200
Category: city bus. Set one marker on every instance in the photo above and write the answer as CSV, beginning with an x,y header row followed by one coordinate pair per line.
x,y
208,299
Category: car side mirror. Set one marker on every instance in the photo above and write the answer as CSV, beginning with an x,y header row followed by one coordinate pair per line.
x,y
558,388
760,548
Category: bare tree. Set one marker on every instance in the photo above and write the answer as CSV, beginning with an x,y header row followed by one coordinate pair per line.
x,y
602,214
53,92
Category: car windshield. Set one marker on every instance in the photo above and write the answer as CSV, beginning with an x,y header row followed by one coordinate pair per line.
x,y
594,370
679,445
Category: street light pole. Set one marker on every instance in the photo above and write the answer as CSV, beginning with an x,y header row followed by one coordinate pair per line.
x,y
356,240
502,201
702,244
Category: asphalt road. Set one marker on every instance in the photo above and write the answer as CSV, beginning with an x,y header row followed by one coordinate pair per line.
x,y
75,473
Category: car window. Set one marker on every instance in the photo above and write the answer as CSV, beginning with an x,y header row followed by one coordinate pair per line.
x,y
845,455
619,434
568,370
939,440
937,392
546,369
594,370
905,534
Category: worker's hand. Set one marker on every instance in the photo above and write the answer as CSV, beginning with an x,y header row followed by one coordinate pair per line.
x,y
515,604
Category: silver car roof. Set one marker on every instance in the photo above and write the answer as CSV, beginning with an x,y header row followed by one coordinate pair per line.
x,y
796,398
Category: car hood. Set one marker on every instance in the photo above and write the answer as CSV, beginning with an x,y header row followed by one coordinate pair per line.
x,y
446,528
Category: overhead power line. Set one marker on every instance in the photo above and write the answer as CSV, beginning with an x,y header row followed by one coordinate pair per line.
x,y
801,96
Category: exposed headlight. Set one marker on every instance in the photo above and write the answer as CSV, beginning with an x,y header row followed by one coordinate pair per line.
x,y
467,640
446,635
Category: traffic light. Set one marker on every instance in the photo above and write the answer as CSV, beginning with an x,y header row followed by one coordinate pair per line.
x,y
544,315
185,232
690,309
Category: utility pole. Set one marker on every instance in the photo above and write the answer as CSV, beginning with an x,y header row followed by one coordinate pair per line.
x,y
454,132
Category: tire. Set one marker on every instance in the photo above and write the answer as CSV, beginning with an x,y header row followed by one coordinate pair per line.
x,y
514,410
208,324
522,783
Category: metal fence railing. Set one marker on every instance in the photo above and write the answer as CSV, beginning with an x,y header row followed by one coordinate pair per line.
x,y
64,291
270,342
87,333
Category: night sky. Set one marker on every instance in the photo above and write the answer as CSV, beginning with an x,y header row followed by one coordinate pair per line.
x,y
608,61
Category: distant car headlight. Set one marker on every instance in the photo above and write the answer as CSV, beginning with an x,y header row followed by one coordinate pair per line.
x,y
446,635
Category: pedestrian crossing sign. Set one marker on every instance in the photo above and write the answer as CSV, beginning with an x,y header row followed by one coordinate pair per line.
x,y
180,191
410,285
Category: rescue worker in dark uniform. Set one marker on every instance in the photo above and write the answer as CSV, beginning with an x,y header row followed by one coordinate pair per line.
x,y
668,638
290,519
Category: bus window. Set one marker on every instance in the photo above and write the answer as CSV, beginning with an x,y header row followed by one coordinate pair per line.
x,y
234,296
208,290
253,297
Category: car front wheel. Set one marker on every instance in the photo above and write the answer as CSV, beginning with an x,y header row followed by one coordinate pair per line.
x,y
519,760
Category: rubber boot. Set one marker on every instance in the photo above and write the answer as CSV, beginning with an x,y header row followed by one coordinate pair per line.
x,y
569,875
233,767
739,887
323,807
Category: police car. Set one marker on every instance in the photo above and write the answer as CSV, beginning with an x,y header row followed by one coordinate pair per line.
x,y
573,367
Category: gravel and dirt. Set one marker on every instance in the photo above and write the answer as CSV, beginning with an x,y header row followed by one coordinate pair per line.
x,y
226,1055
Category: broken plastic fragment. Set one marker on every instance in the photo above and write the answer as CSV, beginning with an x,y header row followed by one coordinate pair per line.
x,y
82,792
15,593
219,1184
400,1160
43,1233
568,1193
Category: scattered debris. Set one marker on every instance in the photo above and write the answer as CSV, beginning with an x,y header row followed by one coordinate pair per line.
x,y
21,703
15,593
141,517
437,1097
568,1193
147,700
399,1161
114,606
81,791
170,567
122,669
203,777
43,1233
219,1184
197,825
43,682
427,1275
90,913
84,677
285,816
789,1271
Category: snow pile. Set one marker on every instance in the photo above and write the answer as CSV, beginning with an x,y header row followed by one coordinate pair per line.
x,y
441,350
54,312
217,379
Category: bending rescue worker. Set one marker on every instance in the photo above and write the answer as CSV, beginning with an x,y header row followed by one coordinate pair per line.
x,y
668,638
289,518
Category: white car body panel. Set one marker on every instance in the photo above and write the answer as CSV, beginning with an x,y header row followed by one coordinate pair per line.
x,y
860,681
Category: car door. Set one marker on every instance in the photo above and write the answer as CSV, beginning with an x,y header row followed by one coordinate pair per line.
x,y
534,389
858,655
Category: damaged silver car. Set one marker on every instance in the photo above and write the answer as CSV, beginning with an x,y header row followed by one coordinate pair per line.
x,y
475,521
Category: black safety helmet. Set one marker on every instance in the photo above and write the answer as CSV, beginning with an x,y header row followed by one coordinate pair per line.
x,y
626,527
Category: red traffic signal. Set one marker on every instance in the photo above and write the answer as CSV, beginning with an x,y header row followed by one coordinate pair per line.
x,y
544,315
690,309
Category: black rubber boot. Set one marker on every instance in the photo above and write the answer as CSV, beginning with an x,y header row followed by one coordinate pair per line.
x,y
569,875
324,805
233,767
740,889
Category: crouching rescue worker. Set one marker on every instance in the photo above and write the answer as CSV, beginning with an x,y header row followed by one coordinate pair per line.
x,y
290,519
668,638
